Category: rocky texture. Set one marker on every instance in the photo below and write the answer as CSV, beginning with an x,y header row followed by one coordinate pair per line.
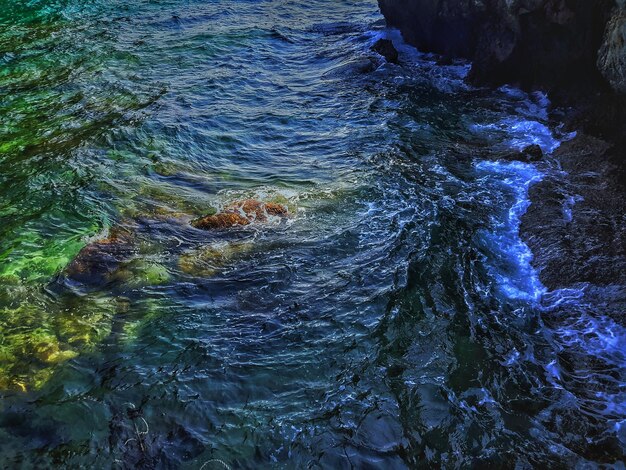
x,y
206,261
385,48
575,50
548,44
99,259
241,213
256,210
576,224
612,54
221,220
532,153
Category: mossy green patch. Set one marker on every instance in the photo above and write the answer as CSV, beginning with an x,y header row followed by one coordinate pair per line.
x,y
35,338
141,272
208,260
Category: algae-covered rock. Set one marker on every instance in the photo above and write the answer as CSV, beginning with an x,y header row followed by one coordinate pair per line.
x,y
142,272
35,339
208,260
101,257
25,354
85,322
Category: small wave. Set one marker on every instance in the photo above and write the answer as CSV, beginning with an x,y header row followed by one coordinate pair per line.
x,y
445,78
511,258
518,134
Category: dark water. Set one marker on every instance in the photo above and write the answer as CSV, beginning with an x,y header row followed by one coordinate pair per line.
x,y
392,321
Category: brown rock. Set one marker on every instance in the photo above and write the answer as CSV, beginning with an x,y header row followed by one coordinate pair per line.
x,y
276,209
221,220
100,258
257,210
241,213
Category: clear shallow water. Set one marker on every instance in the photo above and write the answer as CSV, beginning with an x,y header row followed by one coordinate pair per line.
x,y
392,321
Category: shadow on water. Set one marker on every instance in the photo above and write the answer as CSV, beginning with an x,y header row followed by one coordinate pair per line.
x,y
392,320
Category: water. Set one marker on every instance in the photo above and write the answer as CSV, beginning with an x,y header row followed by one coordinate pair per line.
x,y
393,320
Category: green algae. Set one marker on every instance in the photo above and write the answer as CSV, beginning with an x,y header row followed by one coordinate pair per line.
x,y
210,259
142,272
35,339
142,314
38,257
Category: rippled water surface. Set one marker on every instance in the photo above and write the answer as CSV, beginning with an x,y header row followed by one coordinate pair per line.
x,y
392,320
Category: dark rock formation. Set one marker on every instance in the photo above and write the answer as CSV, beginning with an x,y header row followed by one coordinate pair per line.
x,y
385,48
576,226
532,153
612,54
548,44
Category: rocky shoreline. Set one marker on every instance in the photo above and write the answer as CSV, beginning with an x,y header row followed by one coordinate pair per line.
x,y
576,223
576,51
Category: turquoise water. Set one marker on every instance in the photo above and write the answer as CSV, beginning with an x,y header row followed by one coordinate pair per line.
x,y
393,320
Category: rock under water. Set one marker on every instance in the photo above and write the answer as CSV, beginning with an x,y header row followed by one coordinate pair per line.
x,y
98,259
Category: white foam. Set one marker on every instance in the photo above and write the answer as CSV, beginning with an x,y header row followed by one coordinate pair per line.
x,y
517,134
511,259
446,78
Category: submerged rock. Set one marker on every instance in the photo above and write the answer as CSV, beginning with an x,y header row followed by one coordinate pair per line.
x,y
99,259
207,260
241,213
36,339
140,272
386,48
356,67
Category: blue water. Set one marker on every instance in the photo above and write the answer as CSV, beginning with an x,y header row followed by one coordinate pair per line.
x,y
393,320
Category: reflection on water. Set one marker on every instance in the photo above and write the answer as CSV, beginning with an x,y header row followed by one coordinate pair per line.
x,y
391,317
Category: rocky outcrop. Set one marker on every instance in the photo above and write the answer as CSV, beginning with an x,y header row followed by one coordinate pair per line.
x,y
550,44
612,56
576,51
385,48
576,224
241,213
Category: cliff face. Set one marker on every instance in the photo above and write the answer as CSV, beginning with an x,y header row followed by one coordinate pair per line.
x,y
574,45
612,54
